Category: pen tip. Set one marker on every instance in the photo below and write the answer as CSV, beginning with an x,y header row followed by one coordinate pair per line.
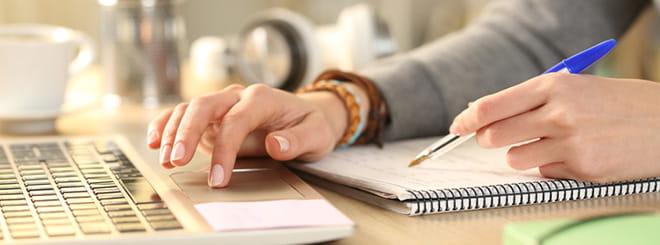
x,y
418,160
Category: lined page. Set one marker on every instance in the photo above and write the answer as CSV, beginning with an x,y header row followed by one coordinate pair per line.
x,y
385,172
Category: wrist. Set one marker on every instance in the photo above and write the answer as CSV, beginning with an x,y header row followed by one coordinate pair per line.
x,y
335,108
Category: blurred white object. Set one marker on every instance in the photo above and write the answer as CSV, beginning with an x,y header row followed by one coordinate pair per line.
x,y
285,50
208,60
36,62
357,39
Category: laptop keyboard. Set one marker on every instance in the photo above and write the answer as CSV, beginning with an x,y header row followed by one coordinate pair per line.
x,y
75,188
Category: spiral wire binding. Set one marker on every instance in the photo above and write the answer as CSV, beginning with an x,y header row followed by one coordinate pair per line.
x,y
494,196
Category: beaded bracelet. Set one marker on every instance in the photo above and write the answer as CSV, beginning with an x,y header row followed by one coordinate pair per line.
x,y
377,117
356,118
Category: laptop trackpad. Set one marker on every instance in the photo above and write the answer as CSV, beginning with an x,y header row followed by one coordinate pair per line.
x,y
246,185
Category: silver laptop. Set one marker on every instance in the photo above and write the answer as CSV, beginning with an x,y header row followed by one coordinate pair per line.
x,y
97,190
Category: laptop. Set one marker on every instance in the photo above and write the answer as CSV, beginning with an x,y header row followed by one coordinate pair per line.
x,y
97,190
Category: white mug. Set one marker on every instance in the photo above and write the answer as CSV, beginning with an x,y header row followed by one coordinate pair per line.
x,y
36,61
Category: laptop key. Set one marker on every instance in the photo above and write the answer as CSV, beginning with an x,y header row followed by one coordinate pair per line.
x,y
21,202
35,177
24,226
61,169
15,208
70,184
86,212
42,192
121,213
67,179
89,218
156,212
82,206
50,209
17,214
140,190
56,221
75,195
60,230
73,189
107,202
94,227
165,225
40,204
103,185
160,217
12,197
130,227
36,182
79,200
45,216
24,234
39,187
29,167
44,198
9,175
7,181
9,186
64,175
156,205
110,196
119,207
126,219
11,191
107,190
20,220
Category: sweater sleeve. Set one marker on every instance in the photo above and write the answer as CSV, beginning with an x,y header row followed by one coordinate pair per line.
x,y
513,41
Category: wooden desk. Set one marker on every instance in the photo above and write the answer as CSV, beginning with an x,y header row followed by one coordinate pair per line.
x,y
374,225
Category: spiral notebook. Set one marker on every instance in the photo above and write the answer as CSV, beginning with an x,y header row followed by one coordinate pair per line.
x,y
467,178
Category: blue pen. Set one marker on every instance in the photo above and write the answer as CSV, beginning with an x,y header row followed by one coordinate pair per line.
x,y
574,64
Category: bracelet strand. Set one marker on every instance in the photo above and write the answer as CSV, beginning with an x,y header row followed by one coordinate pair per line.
x,y
356,118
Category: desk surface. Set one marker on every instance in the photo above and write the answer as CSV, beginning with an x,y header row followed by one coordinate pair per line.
x,y
375,225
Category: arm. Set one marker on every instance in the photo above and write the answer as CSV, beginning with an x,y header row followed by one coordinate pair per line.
x,y
513,41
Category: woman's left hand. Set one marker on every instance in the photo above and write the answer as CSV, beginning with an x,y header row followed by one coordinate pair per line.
x,y
573,126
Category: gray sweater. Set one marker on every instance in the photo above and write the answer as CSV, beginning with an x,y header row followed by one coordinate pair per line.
x,y
513,41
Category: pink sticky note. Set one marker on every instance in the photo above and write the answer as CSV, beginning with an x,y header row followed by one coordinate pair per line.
x,y
228,216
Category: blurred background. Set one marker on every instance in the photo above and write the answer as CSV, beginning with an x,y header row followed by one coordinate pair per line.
x,y
410,23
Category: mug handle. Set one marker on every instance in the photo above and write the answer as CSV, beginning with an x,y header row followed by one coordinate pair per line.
x,y
86,54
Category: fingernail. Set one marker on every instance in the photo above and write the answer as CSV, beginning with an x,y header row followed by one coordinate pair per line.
x,y
167,165
283,142
178,152
217,175
165,153
152,135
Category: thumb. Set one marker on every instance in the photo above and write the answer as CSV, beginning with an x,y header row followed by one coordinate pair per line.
x,y
309,140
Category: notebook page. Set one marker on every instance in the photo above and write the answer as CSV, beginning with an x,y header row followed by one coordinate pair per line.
x,y
385,172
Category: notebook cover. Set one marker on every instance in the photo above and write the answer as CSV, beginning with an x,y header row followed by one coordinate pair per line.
x,y
618,229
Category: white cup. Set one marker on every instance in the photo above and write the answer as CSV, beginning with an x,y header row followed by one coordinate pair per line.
x,y
36,61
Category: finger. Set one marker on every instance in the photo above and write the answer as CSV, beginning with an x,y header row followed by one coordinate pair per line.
x,y
534,154
206,143
303,141
506,103
516,129
170,131
253,145
246,115
201,111
556,170
156,127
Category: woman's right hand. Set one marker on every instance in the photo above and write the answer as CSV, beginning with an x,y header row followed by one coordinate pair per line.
x,y
248,121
